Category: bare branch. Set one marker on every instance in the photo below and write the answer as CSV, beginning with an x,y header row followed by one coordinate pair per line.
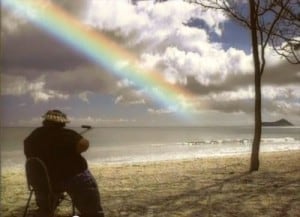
x,y
277,23
230,9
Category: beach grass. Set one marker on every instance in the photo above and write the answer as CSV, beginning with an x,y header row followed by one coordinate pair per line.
x,y
206,187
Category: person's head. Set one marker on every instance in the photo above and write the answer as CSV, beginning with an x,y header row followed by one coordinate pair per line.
x,y
55,118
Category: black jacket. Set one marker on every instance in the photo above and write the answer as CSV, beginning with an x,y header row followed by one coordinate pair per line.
x,y
57,148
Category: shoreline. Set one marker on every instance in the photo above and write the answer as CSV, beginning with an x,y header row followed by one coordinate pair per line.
x,y
188,159
94,162
218,186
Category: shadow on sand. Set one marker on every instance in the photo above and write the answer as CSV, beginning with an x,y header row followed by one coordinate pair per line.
x,y
228,194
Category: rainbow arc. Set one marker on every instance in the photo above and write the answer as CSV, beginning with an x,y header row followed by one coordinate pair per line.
x,y
103,51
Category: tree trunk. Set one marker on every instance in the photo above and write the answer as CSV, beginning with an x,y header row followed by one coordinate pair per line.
x,y
254,164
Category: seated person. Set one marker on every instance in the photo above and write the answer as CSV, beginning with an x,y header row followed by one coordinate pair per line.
x,y
60,149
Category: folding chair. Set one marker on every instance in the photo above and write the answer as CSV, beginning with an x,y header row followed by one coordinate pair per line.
x,y
38,180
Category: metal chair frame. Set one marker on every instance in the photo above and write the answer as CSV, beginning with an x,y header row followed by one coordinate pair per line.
x,y
51,193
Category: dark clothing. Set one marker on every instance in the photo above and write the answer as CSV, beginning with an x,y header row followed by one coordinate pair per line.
x,y
56,147
68,172
84,192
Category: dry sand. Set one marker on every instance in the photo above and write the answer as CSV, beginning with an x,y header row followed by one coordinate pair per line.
x,y
187,188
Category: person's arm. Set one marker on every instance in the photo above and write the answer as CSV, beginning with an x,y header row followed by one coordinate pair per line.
x,y
30,149
82,145
27,150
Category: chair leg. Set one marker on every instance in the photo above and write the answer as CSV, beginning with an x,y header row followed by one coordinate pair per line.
x,y
73,208
27,204
53,202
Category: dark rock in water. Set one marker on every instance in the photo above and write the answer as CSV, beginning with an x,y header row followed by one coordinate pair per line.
x,y
279,123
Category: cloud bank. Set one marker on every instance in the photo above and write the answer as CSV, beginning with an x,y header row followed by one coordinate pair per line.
x,y
161,36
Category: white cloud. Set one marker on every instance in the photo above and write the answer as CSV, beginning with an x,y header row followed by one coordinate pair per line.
x,y
84,96
96,121
78,121
125,83
161,111
131,97
10,23
287,92
179,50
152,23
277,101
118,99
13,85
240,94
18,85
163,39
210,66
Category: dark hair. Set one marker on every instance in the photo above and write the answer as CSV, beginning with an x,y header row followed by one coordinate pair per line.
x,y
47,123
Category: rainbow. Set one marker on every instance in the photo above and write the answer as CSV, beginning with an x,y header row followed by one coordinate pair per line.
x,y
102,51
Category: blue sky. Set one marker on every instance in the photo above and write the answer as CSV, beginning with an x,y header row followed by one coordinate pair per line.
x,y
200,50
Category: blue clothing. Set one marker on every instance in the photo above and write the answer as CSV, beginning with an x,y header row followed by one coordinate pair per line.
x,y
84,192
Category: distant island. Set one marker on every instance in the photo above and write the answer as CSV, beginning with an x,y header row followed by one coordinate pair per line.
x,y
279,123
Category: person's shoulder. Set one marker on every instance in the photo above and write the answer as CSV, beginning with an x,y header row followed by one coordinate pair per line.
x,y
69,131
71,135
37,132
38,129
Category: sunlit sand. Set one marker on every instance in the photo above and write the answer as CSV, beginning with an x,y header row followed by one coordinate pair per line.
x,y
188,188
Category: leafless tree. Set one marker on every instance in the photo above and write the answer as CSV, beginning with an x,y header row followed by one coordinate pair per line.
x,y
134,2
285,37
271,22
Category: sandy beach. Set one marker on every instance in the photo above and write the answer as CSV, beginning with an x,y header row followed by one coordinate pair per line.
x,y
219,186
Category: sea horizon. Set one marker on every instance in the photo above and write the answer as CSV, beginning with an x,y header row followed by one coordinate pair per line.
x,y
145,144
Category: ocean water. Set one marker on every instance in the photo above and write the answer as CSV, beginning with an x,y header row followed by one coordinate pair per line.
x,y
143,144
